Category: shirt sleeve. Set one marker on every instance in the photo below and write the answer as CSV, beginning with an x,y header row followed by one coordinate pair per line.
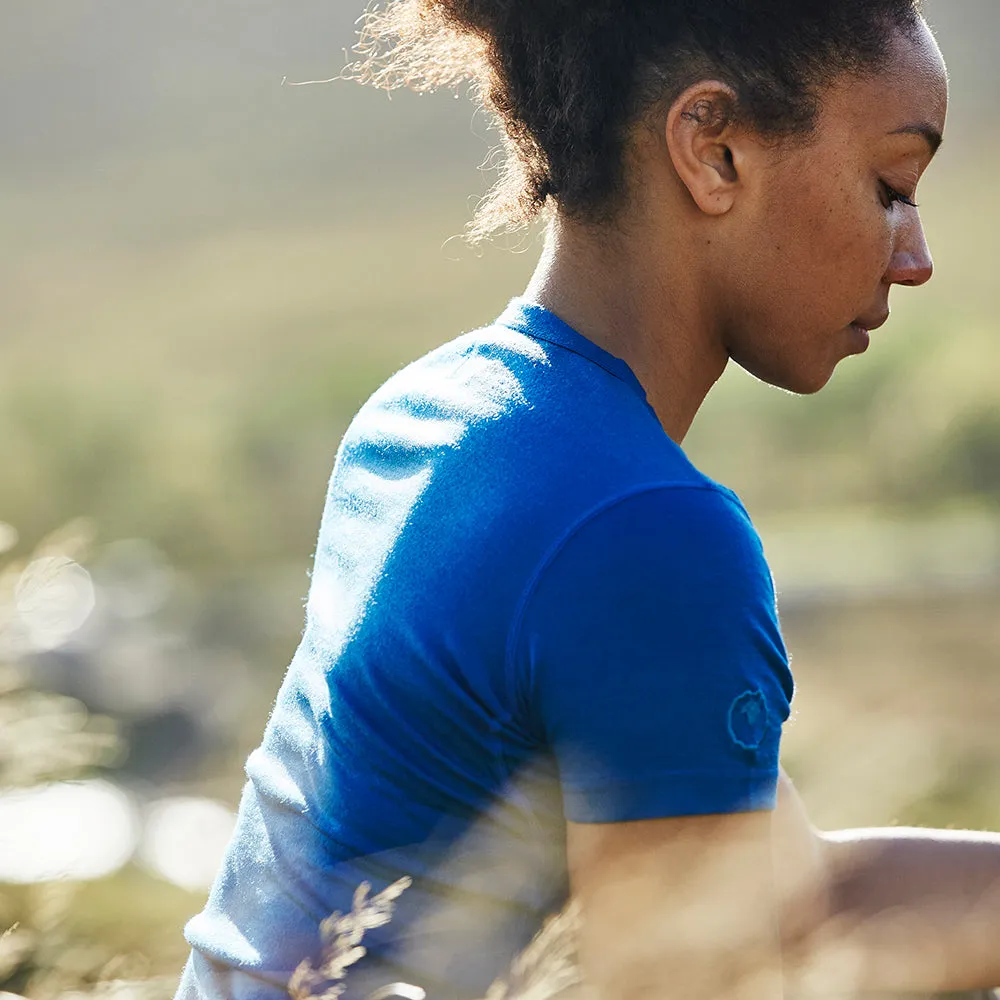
x,y
650,659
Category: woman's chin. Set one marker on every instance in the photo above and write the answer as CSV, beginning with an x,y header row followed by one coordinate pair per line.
x,y
807,369
806,384
801,380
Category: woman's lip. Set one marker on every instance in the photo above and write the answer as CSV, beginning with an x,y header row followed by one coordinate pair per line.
x,y
863,337
874,325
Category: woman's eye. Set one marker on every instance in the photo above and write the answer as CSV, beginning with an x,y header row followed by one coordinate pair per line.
x,y
891,197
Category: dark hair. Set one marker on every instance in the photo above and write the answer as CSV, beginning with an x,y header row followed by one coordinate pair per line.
x,y
567,79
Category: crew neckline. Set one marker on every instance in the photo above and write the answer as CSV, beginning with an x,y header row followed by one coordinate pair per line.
x,y
538,322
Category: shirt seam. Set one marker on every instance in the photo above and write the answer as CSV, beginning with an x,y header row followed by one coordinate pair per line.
x,y
535,335
519,325
744,775
550,555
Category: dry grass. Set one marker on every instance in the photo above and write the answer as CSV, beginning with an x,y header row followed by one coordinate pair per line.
x,y
547,969
342,934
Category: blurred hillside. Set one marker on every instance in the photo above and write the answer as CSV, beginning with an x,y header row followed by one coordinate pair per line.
x,y
203,272
108,78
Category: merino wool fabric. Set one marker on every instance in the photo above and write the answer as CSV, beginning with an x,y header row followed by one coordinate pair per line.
x,y
527,607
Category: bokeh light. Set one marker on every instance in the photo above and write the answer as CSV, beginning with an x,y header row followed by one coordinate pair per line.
x,y
184,838
65,830
54,596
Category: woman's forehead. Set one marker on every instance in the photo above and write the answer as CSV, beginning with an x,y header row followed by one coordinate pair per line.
x,y
908,96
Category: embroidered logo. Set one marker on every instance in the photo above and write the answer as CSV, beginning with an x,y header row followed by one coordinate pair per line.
x,y
748,719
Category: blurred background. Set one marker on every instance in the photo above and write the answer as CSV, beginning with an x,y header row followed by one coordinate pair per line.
x,y
203,272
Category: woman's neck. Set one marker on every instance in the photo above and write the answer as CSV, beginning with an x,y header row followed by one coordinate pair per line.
x,y
641,304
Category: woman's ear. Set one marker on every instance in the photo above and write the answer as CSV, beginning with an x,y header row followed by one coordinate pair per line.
x,y
704,147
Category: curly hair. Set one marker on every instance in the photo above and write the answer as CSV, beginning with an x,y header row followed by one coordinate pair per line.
x,y
567,79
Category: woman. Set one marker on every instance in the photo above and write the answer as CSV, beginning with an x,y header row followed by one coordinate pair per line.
x,y
542,653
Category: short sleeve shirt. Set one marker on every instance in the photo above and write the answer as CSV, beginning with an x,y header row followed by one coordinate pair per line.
x,y
527,607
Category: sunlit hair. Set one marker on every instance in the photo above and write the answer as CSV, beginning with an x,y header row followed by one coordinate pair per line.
x,y
567,79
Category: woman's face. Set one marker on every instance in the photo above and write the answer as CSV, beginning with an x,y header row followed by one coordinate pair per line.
x,y
828,227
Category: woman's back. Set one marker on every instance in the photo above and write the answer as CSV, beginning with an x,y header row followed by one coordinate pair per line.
x,y
432,723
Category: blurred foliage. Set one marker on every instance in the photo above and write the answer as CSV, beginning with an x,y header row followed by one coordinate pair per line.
x,y
104,939
118,935
48,736
43,735
200,402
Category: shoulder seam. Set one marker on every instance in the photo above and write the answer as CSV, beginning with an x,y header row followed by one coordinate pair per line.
x,y
517,620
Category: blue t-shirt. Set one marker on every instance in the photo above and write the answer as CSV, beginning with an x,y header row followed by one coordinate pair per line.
x,y
527,606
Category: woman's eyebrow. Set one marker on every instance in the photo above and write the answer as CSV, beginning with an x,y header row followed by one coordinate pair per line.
x,y
929,132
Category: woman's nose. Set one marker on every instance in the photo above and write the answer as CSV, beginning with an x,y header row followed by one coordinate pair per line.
x,y
911,262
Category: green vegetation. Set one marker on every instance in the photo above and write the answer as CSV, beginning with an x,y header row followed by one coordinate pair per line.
x,y
194,393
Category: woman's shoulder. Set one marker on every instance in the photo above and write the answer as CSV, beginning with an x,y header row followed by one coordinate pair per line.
x,y
528,391
509,432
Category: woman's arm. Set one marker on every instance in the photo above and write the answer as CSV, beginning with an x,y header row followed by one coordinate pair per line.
x,y
893,909
659,678
681,907
721,906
